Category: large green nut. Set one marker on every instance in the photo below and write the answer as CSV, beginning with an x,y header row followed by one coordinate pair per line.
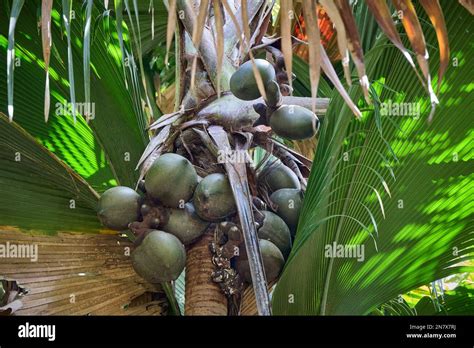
x,y
171,180
119,206
160,257
276,175
289,202
185,223
243,83
294,122
273,262
213,198
275,230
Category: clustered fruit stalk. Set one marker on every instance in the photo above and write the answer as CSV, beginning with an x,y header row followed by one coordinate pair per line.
x,y
227,222
208,55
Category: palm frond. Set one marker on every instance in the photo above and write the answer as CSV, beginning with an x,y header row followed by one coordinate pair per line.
x,y
46,38
354,44
67,10
425,219
309,11
219,38
87,57
105,151
415,35
78,274
15,12
335,16
286,15
434,11
459,301
39,191
170,29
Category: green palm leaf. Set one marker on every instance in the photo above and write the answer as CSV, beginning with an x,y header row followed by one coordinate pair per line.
x,y
152,25
106,150
428,229
459,301
39,191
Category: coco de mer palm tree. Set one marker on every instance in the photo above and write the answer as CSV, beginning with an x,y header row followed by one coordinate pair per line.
x,y
203,210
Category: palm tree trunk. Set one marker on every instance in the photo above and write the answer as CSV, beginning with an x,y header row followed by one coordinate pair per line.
x,y
203,296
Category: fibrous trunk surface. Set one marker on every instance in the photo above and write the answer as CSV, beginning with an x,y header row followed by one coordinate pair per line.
x,y
203,296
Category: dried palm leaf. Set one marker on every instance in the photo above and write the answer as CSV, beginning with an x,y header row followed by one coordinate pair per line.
x,y
412,27
236,25
248,304
46,38
233,18
263,22
170,28
354,44
383,17
219,41
245,21
15,12
166,120
197,35
84,264
328,69
151,9
233,29
336,19
417,40
206,49
286,15
434,11
312,29
154,144
246,29
67,6
87,59
468,4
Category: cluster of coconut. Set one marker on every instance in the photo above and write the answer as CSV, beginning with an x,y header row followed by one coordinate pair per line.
x,y
177,207
276,228
291,122
170,212
174,206
280,183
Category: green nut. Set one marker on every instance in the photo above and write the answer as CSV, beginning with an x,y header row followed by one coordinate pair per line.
x,y
294,122
185,223
160,257
273,262
289,202
213,198
171,180
276,175
275,230
243,83
119,206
